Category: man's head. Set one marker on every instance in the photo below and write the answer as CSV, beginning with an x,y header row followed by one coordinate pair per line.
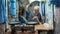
x,y
36,9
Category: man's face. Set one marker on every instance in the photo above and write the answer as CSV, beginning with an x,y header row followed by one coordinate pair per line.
x,y
36,10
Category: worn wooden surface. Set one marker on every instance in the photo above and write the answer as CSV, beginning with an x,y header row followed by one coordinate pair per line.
x,y
42,27
37,27
19,32
2,28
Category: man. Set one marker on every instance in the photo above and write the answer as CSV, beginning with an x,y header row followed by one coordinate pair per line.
x,y
36,16
22,18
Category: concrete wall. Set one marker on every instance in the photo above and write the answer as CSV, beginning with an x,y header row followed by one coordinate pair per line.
x,y
57,16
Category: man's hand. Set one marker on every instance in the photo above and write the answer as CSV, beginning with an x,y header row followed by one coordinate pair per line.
x,y
40,23
35,17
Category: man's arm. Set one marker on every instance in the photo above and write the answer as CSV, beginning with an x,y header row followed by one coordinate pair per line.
x,y
39,17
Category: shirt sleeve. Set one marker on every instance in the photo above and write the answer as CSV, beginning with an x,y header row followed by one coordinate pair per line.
x,y
39,17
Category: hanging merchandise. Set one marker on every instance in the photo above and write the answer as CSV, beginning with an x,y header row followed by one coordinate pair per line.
x,y
2,12
13,7
57,3
43,8
49,13
52,1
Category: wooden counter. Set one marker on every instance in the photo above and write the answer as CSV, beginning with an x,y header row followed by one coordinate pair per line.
x,y
42,27
45,30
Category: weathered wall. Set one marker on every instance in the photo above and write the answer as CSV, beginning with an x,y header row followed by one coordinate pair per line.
x,y
57,16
